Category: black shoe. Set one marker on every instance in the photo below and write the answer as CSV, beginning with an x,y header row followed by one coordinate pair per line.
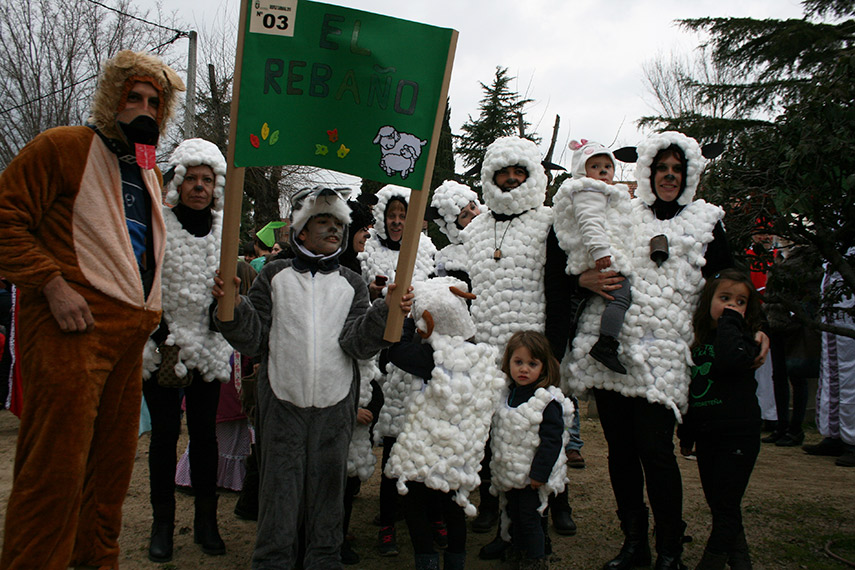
x,y
387,544
563,522
828,447
791,440
605,352
669,562
160,549
440,534
773,437
635,550
847,459
348,556
494,550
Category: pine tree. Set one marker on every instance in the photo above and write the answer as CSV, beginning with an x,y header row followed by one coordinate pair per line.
x,y
789,168
502,113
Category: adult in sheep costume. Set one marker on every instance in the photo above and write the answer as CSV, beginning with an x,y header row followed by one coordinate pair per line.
x,y
438,453
81,236
505,249
194,227
638,410
455,205
382,248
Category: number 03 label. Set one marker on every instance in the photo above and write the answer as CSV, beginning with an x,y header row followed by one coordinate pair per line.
x,y
273,17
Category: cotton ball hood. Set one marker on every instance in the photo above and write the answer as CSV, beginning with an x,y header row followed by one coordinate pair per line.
x,y
195,152
695,163
449,199
511,151
384,195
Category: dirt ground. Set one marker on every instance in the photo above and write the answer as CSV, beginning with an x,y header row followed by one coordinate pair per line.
x,y
794,506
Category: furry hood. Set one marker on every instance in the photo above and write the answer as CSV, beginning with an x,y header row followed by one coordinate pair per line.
x,y
449,199
310,202
511,151
695,163
582,151
118,76
383,196
194,152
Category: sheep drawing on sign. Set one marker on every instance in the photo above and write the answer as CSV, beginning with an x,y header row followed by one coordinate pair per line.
x,y
399,152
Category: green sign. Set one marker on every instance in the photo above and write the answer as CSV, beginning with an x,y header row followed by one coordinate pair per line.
x,y
338,88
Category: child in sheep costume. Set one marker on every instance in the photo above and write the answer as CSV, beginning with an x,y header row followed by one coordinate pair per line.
x,y
592,220
66,230
638,410
306,405
449,200
194,224
528,441
438,453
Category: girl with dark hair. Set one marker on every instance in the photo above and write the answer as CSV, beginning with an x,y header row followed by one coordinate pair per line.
x,y
528,441
723,421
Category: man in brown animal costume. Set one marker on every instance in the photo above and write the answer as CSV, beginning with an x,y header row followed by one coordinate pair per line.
x,y
82,236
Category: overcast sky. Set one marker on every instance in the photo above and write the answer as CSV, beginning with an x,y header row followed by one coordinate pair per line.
x,y
580,59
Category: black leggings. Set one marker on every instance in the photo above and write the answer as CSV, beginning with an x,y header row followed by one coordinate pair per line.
x,y
529,527
164,405
420,504
640,437
725,463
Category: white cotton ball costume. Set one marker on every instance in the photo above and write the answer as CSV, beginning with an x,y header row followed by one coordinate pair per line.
x,y
449,199
515,440
360,458
510,289
189,267
657,330
447,421
377,259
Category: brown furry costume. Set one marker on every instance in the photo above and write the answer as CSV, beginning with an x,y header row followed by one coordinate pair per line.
x,y
62,214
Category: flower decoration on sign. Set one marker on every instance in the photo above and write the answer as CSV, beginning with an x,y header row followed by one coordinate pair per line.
x,y
321,149
265,130
253,140
342,151
333,135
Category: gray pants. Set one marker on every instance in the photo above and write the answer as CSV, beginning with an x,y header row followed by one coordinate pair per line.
x,y
303,466
612,319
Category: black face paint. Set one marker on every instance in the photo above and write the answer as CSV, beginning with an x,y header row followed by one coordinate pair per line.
x,y
142,130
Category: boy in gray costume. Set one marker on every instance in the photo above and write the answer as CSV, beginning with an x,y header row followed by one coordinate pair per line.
x,y
306,320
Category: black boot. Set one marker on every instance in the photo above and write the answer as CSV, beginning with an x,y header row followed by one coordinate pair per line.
x,y
712,561
562,514
669,546
605,351
636,548
246,507
162,529
205,531
496,549
488,510
739,558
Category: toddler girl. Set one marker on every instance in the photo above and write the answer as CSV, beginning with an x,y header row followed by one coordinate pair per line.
x,y
528,441
723,420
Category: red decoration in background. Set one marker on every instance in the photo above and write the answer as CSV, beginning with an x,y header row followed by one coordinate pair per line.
x,y
333,135
253,140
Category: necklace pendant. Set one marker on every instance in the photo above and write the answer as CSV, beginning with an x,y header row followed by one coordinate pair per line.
x,y
497,255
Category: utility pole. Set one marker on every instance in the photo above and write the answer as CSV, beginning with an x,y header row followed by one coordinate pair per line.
x,y
190,101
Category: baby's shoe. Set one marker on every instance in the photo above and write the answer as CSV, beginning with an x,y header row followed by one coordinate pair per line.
x,y
605,351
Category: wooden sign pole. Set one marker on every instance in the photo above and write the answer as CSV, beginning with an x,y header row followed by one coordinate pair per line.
x,y
233,190
416,212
